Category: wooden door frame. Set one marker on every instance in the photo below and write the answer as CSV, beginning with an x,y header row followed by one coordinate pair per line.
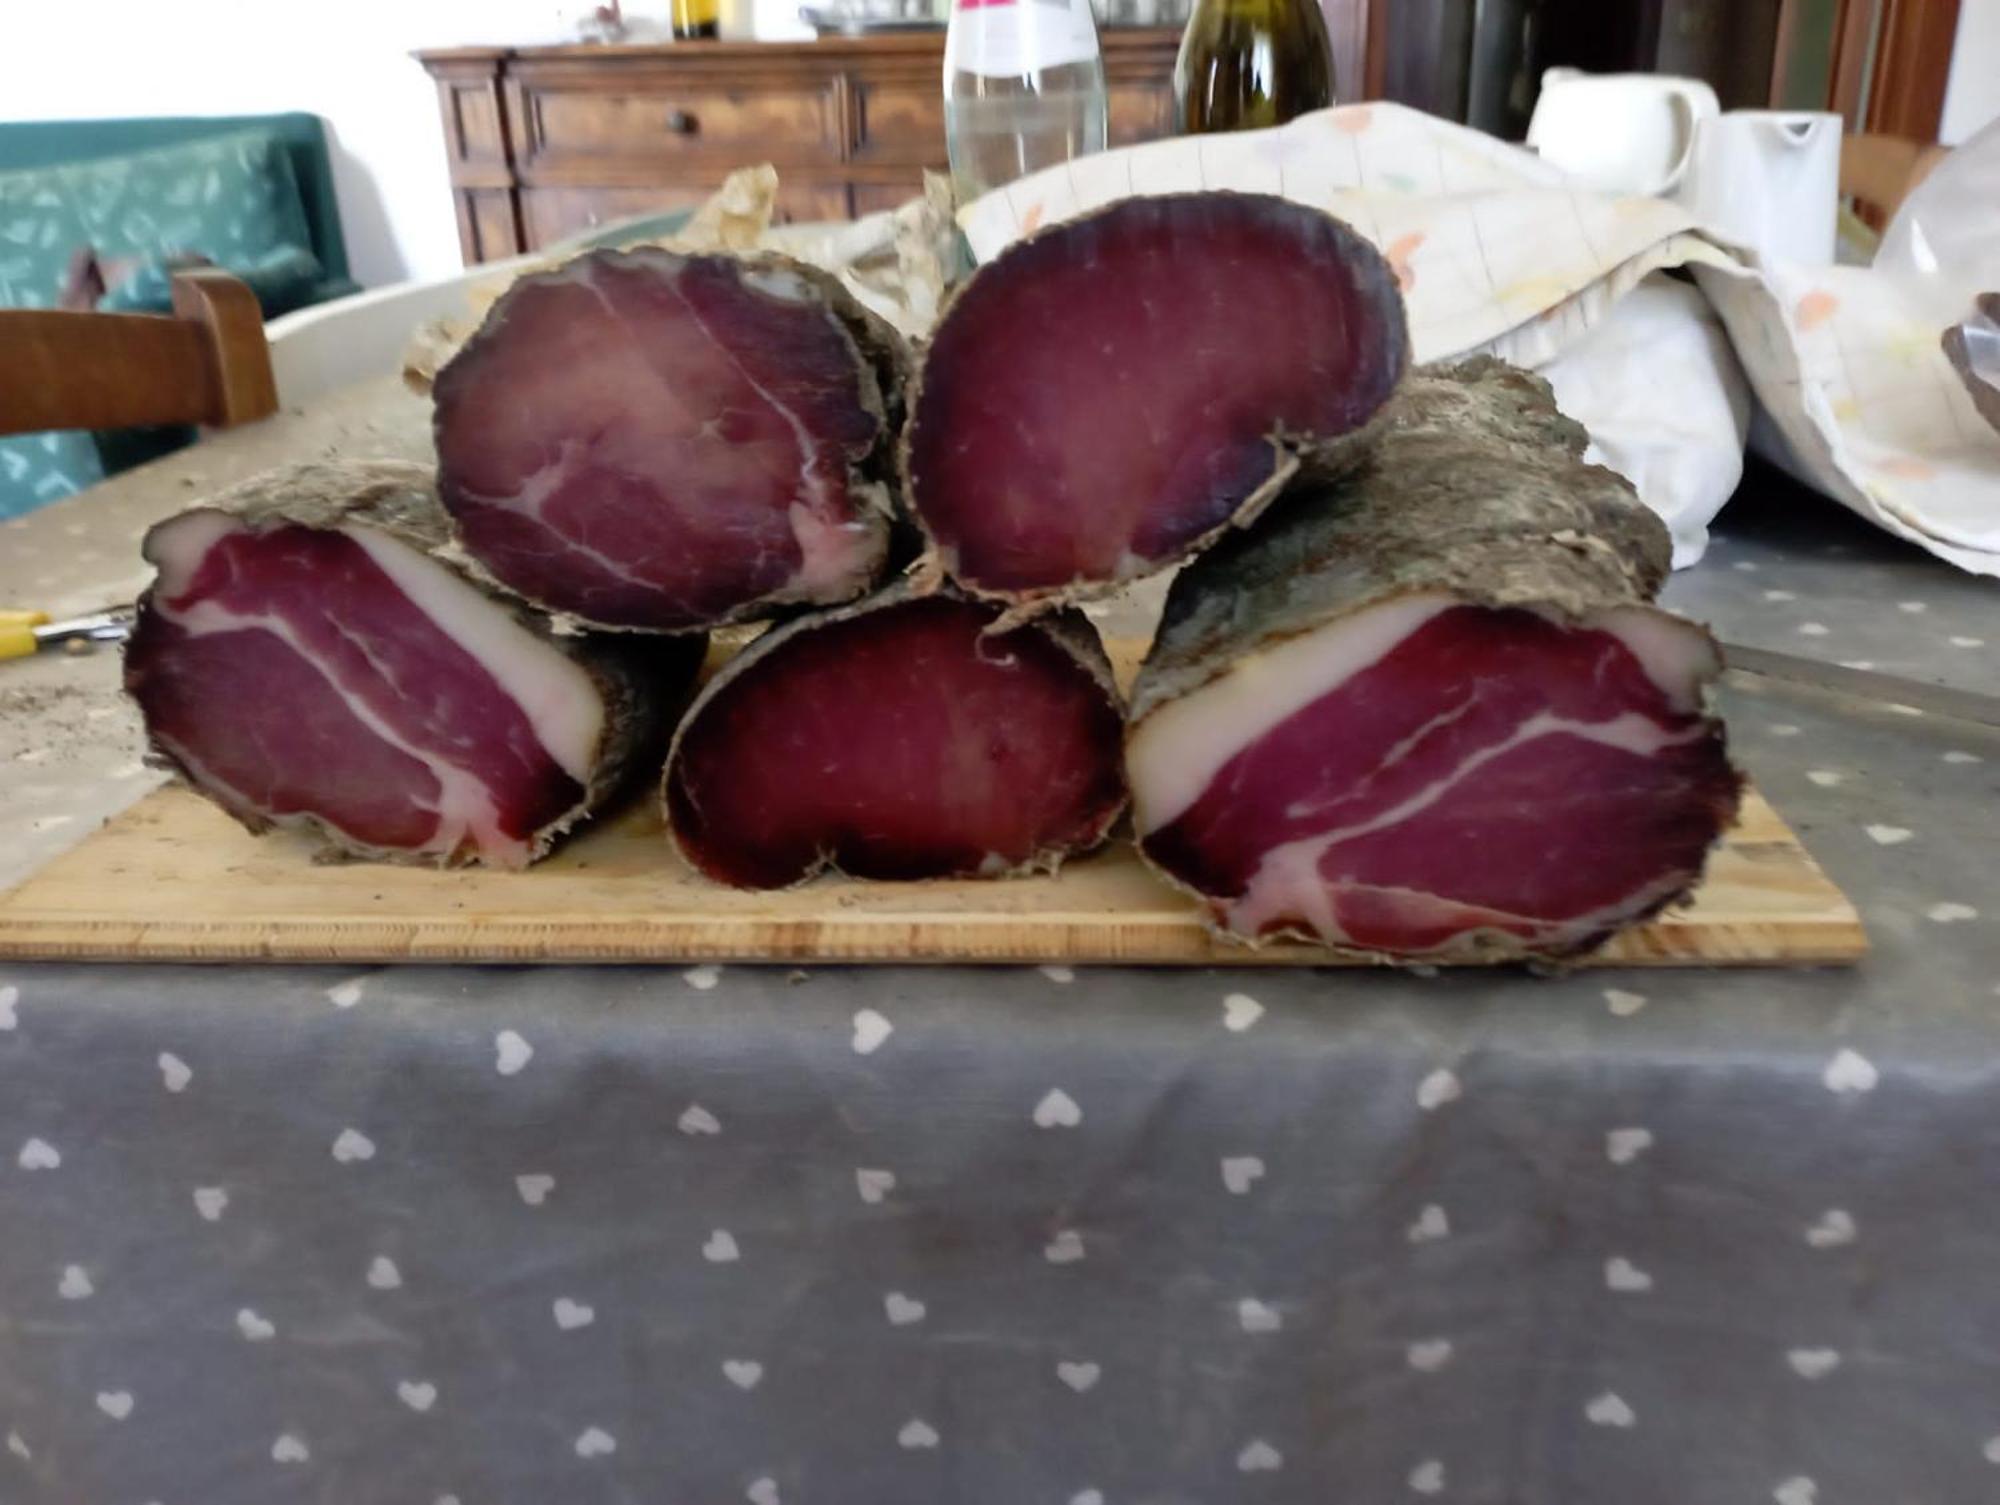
x,y
1902,93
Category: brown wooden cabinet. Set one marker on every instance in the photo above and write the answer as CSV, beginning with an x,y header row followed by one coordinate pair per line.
x,y
547,141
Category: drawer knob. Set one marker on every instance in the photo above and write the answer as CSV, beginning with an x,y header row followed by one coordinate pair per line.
x,y
682,122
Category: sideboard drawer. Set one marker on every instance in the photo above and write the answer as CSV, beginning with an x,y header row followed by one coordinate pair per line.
x,y
900,121
779,122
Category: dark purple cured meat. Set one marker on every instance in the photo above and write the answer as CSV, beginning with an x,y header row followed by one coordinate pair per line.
x,y
1429,711
304,661
1107,395
892,739
646,440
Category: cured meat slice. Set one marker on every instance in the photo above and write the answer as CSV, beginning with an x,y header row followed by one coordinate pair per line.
x,y
304,660
899,738
646,440
1427,710
1105,397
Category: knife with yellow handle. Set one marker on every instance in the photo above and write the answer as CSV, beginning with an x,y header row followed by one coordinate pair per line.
x,y
24,633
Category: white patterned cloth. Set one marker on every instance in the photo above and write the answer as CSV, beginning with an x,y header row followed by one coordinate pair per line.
x,y
1496,253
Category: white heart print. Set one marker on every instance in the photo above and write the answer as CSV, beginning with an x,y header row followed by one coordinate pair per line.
x,y
39,1155
1796,1491
1057,1110
1437,1089
1429,1355
18,1448
571,1314
870,1030
595,1442
289,1449
762,1492
1623,1146
1889,836
1079,1376
874,1185
917,1433
1240,1011
383,1274
702,978
698,1120
903,1310
418,1395
1813,1363
511,1053
1066,1248
1622,1003
75,1284
1834,1228
743,1373
210,1202
1609,1410
1087,1497
254,1328
116,1404
174,1072
346,994
1950,912
1241,1172
1427,1478
1825,778
1055,973
1620,1274
1259,1457
1431,1224
1256,1317
1992,1450
721,1247
9,997
351,1145
534,1187
1849,1072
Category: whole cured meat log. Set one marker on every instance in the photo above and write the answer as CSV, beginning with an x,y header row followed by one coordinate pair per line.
x,y
646,440
1107,396
899,738
1427,710
304,660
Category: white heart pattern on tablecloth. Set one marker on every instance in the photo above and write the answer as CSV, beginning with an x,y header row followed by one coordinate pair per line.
x,y
1796,1491
1834,1228
1850,1071
1427,1478
254,1328
698,1120
917,1433
1431,1224
595,1442
742,1373
903,1310
1813,1363
534,1187
383,1274
511,1052
116,1404
210,1202
762,1492
418,1395
1429,1355
1065,1248
874,1185
75,1284
1079,1376
1623,1146
1256,1317
870,1030
351,1145
1437,1089
721,1248
1259,1457
1057,1110
1620,1274
571,1314
9,997
1241,1172
39,1155
174,1072
1610,1410
1240,1011
289,1449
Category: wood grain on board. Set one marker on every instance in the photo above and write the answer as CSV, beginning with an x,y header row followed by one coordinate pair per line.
x,y
173,879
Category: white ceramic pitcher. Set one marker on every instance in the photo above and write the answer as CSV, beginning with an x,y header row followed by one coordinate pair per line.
x,y
1769,180
1620,132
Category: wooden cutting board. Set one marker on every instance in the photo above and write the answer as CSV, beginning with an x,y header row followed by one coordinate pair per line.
x,y
173,879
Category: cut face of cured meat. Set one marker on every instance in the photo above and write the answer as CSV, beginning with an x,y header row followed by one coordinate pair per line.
x,y
647,440
899,739
1425,770
1109,394
332,676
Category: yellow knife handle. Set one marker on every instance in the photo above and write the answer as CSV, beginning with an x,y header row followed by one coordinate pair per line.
x,y
17,640
11,618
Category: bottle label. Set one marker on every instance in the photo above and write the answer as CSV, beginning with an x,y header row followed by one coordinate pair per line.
x,y
1017,38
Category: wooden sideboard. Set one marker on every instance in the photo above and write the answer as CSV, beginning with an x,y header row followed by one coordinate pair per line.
x,y
547,141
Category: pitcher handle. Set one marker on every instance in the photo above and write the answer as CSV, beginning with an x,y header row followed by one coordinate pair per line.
x,y
1692,102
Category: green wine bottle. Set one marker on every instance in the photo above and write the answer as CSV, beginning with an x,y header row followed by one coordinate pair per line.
x,y
1250,63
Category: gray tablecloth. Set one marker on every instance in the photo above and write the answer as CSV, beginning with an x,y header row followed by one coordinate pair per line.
x,y
1011,1236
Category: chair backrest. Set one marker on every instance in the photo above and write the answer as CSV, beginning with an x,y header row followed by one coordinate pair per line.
x,y
207,363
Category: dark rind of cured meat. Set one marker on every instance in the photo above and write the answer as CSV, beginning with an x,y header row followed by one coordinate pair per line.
x,y
1465,574
1111,394
270,717
901,737
654,441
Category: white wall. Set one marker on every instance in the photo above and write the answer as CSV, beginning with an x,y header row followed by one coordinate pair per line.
x,y
1973,97
345,60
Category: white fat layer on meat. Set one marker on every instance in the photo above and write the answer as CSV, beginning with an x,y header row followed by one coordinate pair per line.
x,y
552,689
1288,882
776,282
1180,748
465,806
831,555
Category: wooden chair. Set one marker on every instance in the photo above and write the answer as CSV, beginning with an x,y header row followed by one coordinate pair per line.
x,y
1879,172
205,363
